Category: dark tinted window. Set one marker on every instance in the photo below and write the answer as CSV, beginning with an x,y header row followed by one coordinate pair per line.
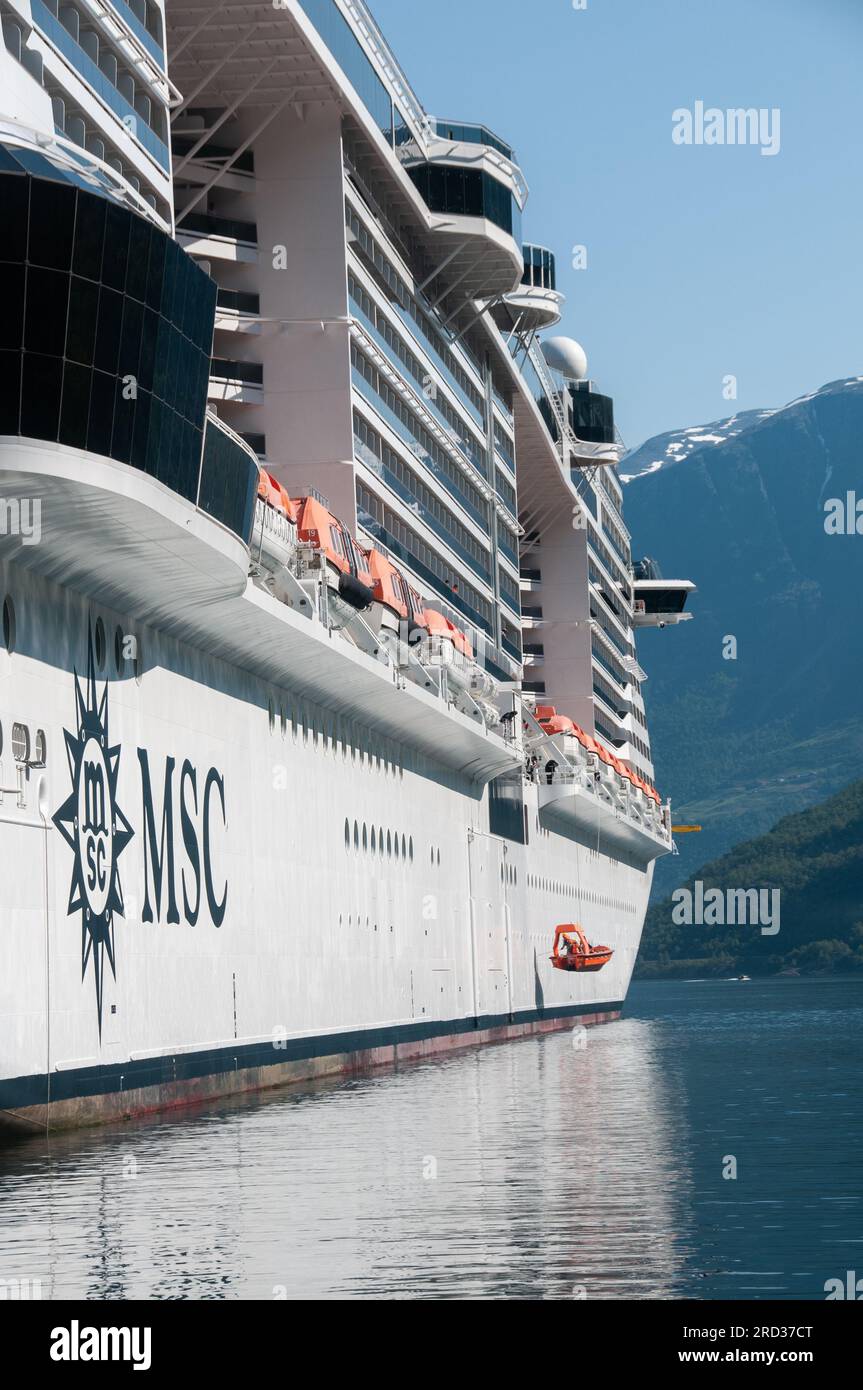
x,y
89,237
52,223
468,192
106,333
16,199
12,299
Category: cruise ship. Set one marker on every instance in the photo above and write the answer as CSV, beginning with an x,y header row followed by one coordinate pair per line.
x,y
322,736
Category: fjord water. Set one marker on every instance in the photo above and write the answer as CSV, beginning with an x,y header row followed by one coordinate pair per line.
x,y
535,1169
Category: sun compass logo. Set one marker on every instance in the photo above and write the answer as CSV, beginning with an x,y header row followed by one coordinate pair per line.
x,y
94,828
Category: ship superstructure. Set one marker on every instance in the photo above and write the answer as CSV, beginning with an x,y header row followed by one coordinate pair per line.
x,y
322,704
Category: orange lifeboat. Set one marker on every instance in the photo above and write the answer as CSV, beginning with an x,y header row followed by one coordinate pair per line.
x,y
388,585
573,951
272,492
317,526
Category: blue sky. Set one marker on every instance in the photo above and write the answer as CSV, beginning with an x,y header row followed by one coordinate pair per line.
x,y
703,261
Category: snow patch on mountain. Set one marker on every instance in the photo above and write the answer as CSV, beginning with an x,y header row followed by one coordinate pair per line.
x,y
668,450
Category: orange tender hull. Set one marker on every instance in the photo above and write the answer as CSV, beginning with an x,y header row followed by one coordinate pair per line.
x,y
595,959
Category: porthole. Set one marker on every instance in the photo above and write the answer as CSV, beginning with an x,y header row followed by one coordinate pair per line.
x,y
118,649
271,715
40,748
411,849
20,743
100,644
9,624
356,835
365,837
347,834
395,840
389,845
404,848
374,841
283,720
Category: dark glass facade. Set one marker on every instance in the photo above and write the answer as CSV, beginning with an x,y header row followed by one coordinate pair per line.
x,y
539,268
449,188
106,331
229,481
207,225
592,415
340,39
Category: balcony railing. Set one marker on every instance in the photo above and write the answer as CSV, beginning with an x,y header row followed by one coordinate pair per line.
x,y
241,300
140,30
473,135
205,224
96,79
223,369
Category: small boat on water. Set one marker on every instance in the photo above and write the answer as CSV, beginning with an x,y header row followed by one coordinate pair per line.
x,y
573,951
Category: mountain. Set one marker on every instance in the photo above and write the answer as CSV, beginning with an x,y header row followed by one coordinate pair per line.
x,y
814,860
745,733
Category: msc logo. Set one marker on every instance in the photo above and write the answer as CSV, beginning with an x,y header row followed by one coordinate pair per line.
x,y
190,822
94,828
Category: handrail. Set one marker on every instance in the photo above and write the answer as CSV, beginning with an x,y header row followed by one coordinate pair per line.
x,y
392,68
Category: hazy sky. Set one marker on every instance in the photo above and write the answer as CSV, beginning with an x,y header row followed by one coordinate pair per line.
x,y
704,261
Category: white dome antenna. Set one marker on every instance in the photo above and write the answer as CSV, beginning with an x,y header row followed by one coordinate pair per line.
x,y
566,356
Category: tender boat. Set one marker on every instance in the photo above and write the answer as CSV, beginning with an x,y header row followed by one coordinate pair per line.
x,y
573,951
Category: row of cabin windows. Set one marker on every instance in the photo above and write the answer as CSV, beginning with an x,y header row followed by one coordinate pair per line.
x,y
551,885
127,646
410,305
111,64
412,364
388,844
332,733
423,496
436,455
603,553
416,548
69,118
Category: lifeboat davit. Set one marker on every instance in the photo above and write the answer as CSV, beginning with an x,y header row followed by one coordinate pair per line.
x,y
573,951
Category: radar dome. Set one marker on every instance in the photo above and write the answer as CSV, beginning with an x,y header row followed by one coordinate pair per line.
x,y
566,356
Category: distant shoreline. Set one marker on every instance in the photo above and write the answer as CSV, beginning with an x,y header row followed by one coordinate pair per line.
x,y
744,976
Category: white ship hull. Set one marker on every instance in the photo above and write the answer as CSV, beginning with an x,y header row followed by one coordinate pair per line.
x,y
249,933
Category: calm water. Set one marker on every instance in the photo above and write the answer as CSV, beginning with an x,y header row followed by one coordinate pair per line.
x,y
526,1170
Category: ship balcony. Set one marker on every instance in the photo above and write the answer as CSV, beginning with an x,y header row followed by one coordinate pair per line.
x,y
239,383
219,238
660,602
530,308
475,228
531,617
238,312
611,820
536,304
614,714
592,452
